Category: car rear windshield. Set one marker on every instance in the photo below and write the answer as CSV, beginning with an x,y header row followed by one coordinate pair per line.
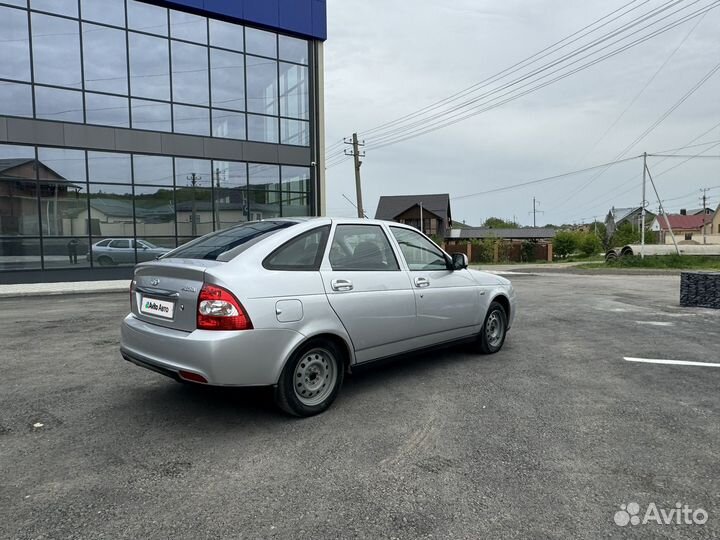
x,y
228,243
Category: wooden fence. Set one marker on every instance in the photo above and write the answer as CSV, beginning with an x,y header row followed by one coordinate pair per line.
x,y
502,251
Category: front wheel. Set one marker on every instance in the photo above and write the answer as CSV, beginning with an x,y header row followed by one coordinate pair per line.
x,y
492,335
311,379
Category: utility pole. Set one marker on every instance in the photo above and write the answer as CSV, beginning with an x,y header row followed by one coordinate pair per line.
x,y
355,152
217,198
194,180
422,228
704,200
535,211
642,211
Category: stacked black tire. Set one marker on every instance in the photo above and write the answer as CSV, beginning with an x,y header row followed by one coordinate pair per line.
x,y
700,289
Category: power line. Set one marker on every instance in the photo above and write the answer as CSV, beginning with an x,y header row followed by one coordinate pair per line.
x,y
683,156
396,134
637,176
390,138
633,187
645,86
541,180
497,76
649,130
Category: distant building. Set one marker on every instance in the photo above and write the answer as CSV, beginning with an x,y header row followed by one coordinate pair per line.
x,y
713,227
686,228
617,216
407,209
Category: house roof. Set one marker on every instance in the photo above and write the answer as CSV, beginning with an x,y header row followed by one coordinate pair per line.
x,y
8,164
524,233
696,211
682,222
11,163
391,206
621,214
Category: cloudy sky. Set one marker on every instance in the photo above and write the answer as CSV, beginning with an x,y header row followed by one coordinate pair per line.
x,y
386,58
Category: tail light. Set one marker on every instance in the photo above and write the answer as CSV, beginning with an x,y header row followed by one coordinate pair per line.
x,y
132,291
218,309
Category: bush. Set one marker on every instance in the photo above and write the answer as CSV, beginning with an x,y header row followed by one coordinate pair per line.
x,y
527,251
483,250
564,244
590,244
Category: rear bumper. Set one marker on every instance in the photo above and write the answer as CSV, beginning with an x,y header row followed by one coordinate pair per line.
x,y
143,362
238,358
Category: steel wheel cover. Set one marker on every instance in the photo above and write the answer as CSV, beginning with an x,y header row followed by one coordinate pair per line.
x,y
494,329
315,376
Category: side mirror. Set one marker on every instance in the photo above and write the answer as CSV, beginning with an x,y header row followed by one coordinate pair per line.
x,y
459,261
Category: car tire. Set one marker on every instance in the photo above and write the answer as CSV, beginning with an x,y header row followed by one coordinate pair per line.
x,y
104,261
311,379
494,329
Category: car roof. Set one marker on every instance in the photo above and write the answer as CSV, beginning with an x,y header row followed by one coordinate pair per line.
x,y
343,220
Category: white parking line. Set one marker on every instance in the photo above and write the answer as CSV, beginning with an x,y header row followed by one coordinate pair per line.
x,y
672,362
655,323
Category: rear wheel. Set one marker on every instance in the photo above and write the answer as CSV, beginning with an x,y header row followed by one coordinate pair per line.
x,y
311,379
492,335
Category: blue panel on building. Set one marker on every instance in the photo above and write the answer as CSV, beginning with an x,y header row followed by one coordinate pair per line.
x,y
319,18
232,10
304,17
263,11
294,15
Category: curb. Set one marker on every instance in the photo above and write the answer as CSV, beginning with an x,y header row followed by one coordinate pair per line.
x,y
46,289
25,294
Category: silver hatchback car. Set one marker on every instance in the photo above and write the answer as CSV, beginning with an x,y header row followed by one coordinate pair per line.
x,y
295,303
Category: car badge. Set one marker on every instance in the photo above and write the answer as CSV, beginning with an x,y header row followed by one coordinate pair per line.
x,y
154,282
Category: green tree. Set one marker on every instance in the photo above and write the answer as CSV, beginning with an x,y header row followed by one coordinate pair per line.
x,y
497,223
626,234
589,244
565,243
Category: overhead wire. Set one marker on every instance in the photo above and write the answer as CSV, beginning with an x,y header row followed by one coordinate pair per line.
x,y
478,109
497,76
540,180
461,112
648,130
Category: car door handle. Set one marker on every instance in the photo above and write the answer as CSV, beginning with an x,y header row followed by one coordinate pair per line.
x,y
341,285
422,282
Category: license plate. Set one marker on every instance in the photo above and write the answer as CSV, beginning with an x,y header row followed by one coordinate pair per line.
x,y
158,308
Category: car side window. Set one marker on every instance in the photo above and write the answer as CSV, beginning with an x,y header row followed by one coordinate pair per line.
x,y
302,253
419,252
104,243
123,244
361,248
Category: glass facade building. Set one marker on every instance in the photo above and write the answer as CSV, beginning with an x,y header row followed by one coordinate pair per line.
x,y
129,127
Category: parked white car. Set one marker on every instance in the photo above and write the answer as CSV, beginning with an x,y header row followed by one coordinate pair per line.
x,y
114,251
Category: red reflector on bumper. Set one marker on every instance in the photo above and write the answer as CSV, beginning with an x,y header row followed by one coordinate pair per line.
x,y
193,377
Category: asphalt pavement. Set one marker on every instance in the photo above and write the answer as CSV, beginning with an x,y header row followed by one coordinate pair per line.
x,y
546,439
